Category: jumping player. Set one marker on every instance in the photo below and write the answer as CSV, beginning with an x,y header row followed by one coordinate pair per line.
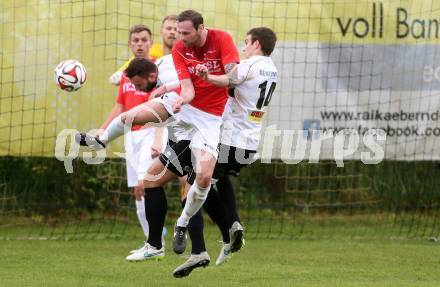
x,y
253,82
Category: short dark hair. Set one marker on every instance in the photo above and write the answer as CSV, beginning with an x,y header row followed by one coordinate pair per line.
x,y
169,17
137,29
191,15
266,37
140,67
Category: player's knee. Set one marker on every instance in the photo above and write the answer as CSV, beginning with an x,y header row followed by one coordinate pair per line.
x,y
203,179
123,117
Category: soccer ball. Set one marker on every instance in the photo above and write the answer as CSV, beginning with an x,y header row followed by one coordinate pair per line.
x,y
70,75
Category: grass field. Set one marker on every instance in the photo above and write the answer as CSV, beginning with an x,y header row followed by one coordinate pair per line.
x,y
263,262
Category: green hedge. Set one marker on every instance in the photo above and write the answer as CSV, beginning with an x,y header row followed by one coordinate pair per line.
x,y
41,185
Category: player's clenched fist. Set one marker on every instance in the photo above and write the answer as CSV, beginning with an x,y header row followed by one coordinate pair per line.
x,y
177,104
202,71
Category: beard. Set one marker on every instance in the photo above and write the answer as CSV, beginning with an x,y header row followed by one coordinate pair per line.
x,y
150,86
193,42
169,42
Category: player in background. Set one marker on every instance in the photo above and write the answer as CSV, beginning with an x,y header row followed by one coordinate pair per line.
x,y
168,34
253,82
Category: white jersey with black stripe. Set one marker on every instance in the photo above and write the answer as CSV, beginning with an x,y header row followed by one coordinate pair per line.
x,y
256,80
167,74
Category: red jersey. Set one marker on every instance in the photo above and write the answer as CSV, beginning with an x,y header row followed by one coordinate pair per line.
x,y
130,98
218,50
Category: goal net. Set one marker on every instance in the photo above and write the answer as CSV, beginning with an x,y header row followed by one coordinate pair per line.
x,y
351,138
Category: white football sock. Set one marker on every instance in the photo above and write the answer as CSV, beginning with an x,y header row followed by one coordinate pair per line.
x,y
140,211
194,201
114,129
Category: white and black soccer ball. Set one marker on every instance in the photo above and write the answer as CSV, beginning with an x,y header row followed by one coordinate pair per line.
x,y
70,75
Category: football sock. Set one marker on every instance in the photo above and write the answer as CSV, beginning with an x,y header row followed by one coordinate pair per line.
x,y
140,211
194,201
216,210
114,129
155,210
195,231
227,196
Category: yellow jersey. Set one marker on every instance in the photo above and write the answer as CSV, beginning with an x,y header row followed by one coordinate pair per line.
x,y
156,52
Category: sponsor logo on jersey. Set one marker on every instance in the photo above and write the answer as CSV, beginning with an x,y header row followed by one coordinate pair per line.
x,y
255,116
213,66
128,87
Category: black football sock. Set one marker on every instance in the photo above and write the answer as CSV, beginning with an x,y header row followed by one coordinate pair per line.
x,y
227,196
155,212
216,210
195,231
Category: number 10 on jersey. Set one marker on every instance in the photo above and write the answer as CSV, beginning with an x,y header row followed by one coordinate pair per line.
x,y
265,94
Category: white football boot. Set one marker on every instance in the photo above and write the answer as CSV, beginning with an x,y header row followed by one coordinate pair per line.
x,y
194,261
148,252
225,254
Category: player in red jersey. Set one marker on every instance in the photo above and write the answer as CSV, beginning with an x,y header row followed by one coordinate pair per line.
x,y
142,144
216,50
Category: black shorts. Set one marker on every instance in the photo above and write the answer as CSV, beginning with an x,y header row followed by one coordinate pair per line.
x,y
177,157
227,163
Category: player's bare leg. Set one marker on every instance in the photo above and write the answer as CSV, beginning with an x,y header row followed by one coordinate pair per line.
x,y
183,189
147,113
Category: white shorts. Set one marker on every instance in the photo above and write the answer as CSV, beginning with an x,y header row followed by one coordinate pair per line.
x,y
167,100
201,128
138,153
